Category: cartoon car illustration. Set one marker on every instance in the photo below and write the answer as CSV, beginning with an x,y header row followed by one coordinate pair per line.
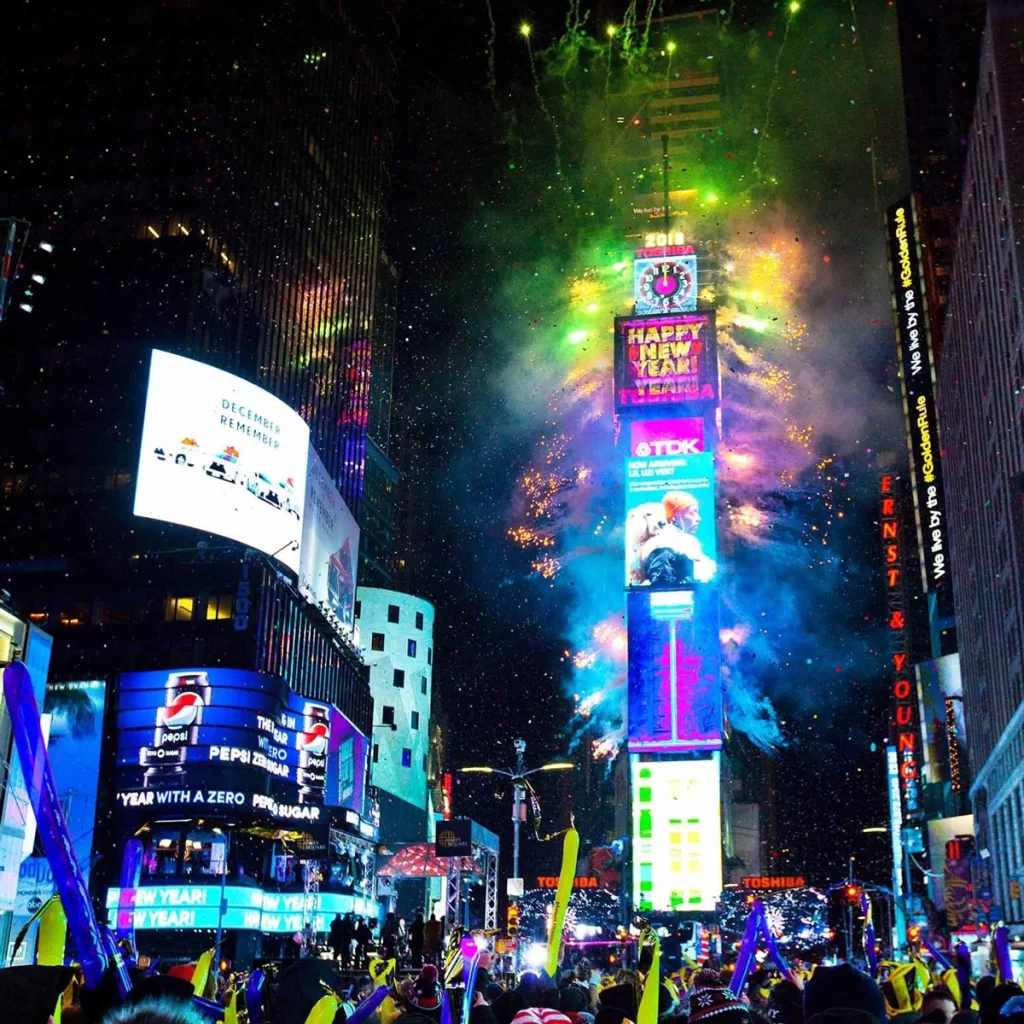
x,y
224,465
287,492
184,453
261,485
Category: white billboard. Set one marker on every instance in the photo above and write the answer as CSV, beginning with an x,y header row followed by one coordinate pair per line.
x,y
330,547
222,455
677,834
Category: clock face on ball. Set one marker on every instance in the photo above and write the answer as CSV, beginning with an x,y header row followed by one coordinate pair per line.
x,y
665,284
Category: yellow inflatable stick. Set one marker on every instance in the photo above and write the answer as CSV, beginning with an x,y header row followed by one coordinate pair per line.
x,y
323,1010
231,1010
570,849
201,975
53,929
648,1012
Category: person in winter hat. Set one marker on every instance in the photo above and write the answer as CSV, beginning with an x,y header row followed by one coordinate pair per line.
x,y
714,1003
842,987
785,1003
423,993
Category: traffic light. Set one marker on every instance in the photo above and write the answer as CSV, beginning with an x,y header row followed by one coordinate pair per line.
x,y
512,921
914,933
853,893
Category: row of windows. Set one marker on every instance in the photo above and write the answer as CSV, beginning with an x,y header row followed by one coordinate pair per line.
x,y
185,609
406,756
388,717
394,614
411,647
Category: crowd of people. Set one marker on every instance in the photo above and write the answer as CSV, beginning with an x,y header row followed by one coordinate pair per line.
x,y
907,993
353,943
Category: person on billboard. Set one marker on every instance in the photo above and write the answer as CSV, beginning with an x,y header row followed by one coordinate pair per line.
x,y
673,556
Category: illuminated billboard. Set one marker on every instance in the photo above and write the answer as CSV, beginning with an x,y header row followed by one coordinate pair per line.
x,y
665,361
165,907
670,521
216,739
666,437
665,282
222,455
674,689
913,338
330,547
677,835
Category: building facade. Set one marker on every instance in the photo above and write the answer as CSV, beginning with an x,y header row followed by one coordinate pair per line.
x,y
213,184
980,377
397,637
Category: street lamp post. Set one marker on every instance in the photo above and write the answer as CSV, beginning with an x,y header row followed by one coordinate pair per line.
x,y
518,777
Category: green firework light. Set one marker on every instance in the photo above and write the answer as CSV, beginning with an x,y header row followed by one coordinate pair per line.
x,y
779,188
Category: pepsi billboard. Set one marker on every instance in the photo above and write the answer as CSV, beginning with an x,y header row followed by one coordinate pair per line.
x,y
199,736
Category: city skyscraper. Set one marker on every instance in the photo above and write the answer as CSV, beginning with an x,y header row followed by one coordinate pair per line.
x,y
216,186
983,436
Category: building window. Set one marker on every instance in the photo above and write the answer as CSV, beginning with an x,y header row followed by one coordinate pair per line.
x,y
394,613
419,620
376,641
388,715
406,757
423,684
430,655
359,608
376,752
415,719
410,648
400,678
220,607
179,609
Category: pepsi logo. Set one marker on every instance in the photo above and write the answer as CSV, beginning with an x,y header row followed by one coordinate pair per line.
x,y
183,710
314,739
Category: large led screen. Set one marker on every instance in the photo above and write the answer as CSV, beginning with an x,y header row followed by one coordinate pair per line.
x,y
670,521
222,455
666,437
234,739
674,687
677,835
330,546
666,361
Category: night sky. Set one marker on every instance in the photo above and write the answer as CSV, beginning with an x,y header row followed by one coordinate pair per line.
x,y
495,248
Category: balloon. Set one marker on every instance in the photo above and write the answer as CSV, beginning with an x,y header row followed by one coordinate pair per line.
x,y
53,829
648,1012
570,849
131,872
254,996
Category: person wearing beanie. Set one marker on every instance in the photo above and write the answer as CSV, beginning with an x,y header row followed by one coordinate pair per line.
x,y
785,1003
507,1005
423,994
29,994
155,1011
621,997
992,1004
843,987
714,1003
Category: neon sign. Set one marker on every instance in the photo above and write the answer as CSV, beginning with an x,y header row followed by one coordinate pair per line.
x,y
917,374
905,710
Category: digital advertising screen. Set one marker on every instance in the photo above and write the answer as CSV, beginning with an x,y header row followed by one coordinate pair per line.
x,y
222,455
665,283
674,686
215,738
165,907
666,361
913,338
330,546
670,521
666,437
677,834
